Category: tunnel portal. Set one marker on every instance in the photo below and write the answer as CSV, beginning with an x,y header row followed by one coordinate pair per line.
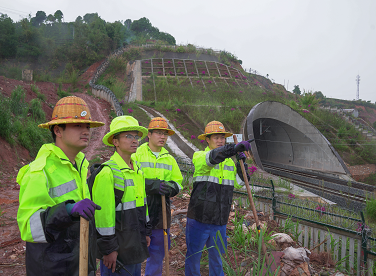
x,y
286,139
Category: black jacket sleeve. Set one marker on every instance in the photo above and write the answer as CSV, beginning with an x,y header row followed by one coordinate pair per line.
x,y
173,188
148,228
56,218
218,155
107,244
152,186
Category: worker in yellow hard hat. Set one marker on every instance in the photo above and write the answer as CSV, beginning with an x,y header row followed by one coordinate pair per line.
x,y
54,194
214,178
123,225
162,177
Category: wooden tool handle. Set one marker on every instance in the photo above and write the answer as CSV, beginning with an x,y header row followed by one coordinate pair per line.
x,y
165,236
250,197
84,243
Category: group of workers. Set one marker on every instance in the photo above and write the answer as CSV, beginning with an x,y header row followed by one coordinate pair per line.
x,y
124,204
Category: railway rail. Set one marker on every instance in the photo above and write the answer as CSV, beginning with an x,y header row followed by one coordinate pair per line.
x,y
348,194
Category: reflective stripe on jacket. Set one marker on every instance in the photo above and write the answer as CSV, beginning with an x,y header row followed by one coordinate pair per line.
x,y
52,235
163,167
122,228
213,187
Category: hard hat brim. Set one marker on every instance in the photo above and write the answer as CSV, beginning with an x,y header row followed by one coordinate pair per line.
x,y
203,136
107,139
93,124
170,131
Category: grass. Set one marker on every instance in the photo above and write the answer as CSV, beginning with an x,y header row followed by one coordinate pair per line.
x,y
211,98
16,127
11,71
5,118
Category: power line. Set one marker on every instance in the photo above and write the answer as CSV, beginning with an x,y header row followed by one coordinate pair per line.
x,y
14,10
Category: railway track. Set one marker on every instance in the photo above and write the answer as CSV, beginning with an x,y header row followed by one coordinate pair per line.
x,y
342,192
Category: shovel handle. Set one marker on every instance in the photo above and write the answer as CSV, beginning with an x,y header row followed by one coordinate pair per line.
x,y
250,197
165,236
84,243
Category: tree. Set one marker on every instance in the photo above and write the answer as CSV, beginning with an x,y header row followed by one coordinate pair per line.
x,y
8,42
128,24
51,18
374,124
319,95
78,19
167,37
39,18
28,40
296,90
58,15
90,17
142,25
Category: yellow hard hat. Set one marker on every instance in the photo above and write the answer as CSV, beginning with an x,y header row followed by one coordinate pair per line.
x,y
160,123
71,110
123,123
214,127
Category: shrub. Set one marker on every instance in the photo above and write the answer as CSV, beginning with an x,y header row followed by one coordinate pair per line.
x,y
32,137
36,110
370,210
17,101
5,116
61,93
11,71
180,49
35,89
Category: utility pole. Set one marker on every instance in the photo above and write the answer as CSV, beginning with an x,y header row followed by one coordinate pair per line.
x,y
357,84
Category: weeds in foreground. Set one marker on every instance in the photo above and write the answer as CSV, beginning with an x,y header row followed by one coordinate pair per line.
x,y
257,267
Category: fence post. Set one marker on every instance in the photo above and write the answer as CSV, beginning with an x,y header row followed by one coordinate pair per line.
x,y
364,241
274,200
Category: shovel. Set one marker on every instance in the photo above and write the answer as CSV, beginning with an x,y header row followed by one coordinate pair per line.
x,y
84,243
251,199
165,236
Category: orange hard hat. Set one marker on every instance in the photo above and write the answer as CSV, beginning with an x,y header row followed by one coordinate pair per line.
x,y
214,127
160,123
70,110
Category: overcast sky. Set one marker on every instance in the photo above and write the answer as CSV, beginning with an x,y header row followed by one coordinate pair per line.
x,y
320,45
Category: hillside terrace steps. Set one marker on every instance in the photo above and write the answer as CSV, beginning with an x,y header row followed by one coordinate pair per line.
x,y
359,124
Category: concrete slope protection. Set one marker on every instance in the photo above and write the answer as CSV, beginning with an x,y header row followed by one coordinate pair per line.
x,y
285,138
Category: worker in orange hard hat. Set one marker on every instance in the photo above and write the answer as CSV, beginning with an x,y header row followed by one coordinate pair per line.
x,y
54,194
162,177
214,178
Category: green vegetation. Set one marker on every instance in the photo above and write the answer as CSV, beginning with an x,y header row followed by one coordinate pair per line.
x,y
80,43
17,127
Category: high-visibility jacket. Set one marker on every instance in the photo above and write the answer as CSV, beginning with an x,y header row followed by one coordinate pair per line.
x,y
163,167
51,234
214,180
122,228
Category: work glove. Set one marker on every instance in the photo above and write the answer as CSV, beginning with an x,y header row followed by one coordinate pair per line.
x,y
164,188
85,208
243,146
241,156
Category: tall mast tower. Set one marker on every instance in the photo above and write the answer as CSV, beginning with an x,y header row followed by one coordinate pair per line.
x,y
357,85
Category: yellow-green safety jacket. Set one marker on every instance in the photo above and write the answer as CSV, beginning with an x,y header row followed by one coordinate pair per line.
x,y
214,179
157,169
51,234
122,228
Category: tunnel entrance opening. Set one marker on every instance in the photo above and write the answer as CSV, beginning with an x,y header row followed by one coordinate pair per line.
x,y
284,138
